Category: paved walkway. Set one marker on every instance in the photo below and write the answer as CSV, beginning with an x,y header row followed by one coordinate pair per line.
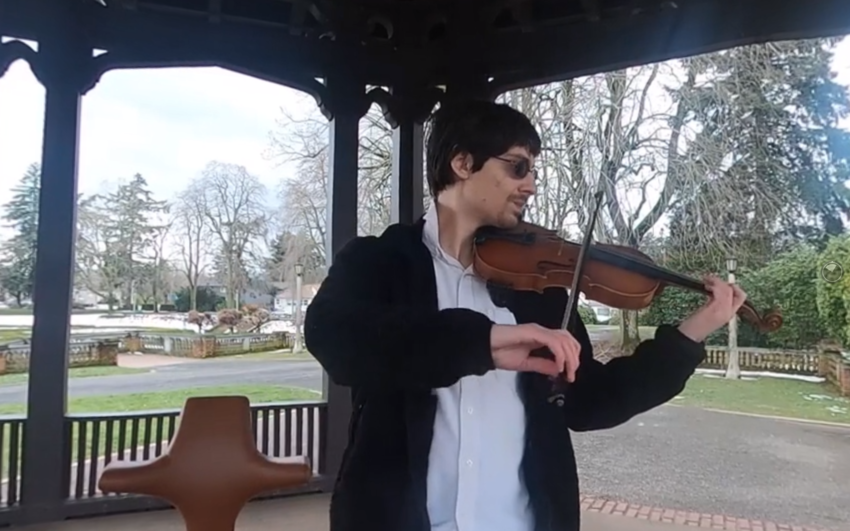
x,y
705,462
647,513
310,513
150,361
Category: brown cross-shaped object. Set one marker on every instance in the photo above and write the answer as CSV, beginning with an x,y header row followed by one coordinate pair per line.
x,y
212,467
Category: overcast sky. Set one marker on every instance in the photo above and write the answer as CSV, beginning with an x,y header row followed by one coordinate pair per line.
x,y
165,124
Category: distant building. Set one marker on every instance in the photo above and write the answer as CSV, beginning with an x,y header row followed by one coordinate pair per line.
x,y
285,299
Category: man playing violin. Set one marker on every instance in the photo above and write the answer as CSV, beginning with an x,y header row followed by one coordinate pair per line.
x,y
452,429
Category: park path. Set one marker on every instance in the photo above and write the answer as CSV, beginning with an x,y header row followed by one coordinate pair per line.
x,y
708,462
151,361
195,374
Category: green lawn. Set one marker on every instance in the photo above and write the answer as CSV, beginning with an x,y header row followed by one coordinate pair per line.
x,y
172,399
76,372
767,396
12,334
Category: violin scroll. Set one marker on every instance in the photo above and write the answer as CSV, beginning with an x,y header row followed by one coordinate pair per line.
x,y
767,323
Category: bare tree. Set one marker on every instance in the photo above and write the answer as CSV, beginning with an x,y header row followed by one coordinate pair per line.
x,y
303,196
375,173
628,133
555,110
233,207
194,236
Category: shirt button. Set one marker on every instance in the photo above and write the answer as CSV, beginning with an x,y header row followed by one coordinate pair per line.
x,y
469,462
469,411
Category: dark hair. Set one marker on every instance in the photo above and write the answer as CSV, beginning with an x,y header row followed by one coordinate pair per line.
x,y
482,129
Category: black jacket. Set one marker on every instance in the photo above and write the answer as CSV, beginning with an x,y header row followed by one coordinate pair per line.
x,y
374,326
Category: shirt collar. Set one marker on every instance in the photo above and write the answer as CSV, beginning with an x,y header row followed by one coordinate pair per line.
x,y
431,231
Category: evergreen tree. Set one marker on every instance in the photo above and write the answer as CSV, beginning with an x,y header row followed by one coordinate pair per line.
x,y
21,215
773,155
132,228
276,261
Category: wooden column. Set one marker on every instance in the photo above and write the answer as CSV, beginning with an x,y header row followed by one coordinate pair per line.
x,y
406,110
344,104
63,65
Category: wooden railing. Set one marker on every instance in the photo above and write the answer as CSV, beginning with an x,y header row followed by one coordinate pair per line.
x,y
769,360
835,368
280,430
826,363
205,346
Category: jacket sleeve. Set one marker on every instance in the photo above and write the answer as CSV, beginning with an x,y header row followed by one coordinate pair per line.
x,y
607,395
361,338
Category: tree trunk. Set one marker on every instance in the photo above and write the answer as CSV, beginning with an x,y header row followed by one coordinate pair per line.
x,y
629,331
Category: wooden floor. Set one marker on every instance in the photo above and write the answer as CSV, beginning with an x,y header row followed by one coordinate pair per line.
x,y
299,513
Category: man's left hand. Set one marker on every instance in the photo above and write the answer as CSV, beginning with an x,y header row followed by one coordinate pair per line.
x,y
724,301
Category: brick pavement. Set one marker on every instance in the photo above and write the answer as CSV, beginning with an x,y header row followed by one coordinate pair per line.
x,y
602,505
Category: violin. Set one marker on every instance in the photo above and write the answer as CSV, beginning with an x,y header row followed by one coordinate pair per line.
x,y
533,258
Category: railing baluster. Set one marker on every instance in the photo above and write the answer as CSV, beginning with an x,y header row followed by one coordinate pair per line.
x,y
4,494
134,438
79,462
267,430
287,432
160,431
311,436
146,449
299,431
107,442
94,458
172,425
14,455
276,431
122,437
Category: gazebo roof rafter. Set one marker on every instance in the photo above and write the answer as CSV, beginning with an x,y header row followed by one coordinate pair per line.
x,y
514,43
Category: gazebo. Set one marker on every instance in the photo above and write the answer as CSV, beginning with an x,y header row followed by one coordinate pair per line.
x,y
405,55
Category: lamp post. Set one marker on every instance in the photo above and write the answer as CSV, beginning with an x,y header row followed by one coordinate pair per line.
x,y
299,270
733,369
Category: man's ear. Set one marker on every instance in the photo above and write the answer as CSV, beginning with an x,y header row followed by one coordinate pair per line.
x,y
462,165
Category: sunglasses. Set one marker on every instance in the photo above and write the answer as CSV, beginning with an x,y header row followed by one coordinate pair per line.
x,y
520,168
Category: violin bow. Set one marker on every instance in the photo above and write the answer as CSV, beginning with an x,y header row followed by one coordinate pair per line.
x,y
559,384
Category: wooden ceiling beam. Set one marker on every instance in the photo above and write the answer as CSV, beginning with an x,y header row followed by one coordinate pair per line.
x,y
591,7
157,34
670,33
514,58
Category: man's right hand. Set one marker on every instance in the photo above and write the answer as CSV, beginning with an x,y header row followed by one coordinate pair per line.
x,y
513,344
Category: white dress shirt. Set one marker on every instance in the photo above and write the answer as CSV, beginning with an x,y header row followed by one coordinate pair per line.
x,y
474,475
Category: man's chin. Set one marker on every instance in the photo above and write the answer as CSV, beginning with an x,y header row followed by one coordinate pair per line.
x,y
509,221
